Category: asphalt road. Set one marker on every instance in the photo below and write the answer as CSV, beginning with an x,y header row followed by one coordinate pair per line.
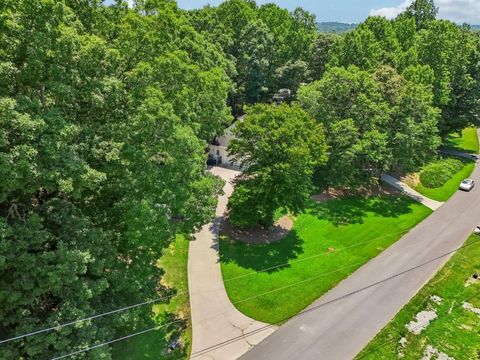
x,y
341,323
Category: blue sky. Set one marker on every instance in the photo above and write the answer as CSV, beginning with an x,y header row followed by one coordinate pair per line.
x,y
459,11
357,10
326,10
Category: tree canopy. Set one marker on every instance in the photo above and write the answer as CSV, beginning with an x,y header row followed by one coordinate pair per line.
x,y
279,146
268,46
104,117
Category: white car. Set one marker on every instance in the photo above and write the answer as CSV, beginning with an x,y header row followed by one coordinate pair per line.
x,y
477,230
467,185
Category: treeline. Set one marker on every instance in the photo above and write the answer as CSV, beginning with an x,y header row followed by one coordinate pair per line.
x,y
269,48
395,89
387,94
105,112
335,27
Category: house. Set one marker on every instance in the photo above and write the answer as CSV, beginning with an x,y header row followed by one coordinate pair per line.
x,y
218,149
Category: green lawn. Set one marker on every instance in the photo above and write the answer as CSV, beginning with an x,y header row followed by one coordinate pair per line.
x,y
450,187
152,345
328,242
468,142
456,331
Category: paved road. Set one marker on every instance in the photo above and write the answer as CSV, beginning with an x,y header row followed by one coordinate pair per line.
x,y
342,323
215,321
459,154
415,195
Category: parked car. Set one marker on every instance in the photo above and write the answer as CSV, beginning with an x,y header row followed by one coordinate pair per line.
x,y
467,185
477,230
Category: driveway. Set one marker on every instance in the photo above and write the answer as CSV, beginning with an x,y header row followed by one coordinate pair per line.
x,y
341,323
218,327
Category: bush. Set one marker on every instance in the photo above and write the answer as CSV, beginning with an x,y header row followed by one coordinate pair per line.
x,y
438,173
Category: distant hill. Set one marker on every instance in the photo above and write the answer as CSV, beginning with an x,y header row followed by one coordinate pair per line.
x,y
338,27
335,27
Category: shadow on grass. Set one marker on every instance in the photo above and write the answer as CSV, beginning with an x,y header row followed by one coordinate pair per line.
x,y
162,343
346,211
354,210
462,142
262,256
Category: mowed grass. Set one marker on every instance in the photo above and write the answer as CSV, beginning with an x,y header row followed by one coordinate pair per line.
x,y
153,345
444,192
456,331
468,142
273,282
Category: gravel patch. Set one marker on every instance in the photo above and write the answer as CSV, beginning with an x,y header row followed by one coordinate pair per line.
x,y
431,352
423,319
471,308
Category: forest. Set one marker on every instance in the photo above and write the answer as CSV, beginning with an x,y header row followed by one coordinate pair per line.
x,y
106,112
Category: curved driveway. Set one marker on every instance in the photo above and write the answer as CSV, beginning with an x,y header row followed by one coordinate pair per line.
x,y
341,323
218,327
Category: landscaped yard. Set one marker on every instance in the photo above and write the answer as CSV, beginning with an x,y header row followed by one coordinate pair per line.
x,y
468,142
152,345
455,297
444,192
327,243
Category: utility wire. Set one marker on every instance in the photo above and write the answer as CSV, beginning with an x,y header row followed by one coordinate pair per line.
x,y
216,346
73,322
115,340
311,309
58,327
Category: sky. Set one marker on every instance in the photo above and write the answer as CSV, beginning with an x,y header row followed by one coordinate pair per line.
x,y
355,11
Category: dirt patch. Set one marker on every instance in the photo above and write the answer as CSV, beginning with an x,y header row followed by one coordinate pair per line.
x,y
258,234
367,191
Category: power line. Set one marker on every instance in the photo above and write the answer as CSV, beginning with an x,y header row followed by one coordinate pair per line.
x,y
313,308
227,342
363,261
73,322
58,327
115,340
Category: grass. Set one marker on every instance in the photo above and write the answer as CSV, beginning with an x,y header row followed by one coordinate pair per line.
x,y
152,345
468,142
444,192
456,331
327,243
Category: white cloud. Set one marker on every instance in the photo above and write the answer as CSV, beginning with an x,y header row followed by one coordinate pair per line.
x,y
391,12
459,11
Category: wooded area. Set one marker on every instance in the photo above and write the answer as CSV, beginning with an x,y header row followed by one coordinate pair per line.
x,y
106,112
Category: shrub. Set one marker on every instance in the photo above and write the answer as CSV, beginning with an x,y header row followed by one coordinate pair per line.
x,y
436,174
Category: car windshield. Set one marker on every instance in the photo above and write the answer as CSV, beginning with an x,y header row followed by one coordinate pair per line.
x,y
467,182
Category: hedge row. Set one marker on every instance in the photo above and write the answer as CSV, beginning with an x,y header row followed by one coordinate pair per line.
x,y
436,174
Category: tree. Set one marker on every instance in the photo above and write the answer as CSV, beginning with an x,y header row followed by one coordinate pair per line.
x,y
279,146
252,62
321,50
412,125
267,45
102,138
369,45
423,11
291,76
374,123
450,51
